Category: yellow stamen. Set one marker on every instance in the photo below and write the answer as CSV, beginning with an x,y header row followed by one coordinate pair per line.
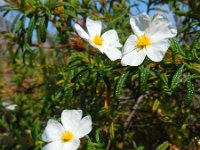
x,y
143,41
67,136
98,40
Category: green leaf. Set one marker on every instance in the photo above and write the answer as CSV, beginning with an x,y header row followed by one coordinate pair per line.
x,y
159,9
112,131
38,34
120,83
177,78
66,4
155,105
119,18
190,90
42,27
35,130
80,74
30,29
195,46
176,49
194,67
31,3
97,135
69,13
14,22
164,84
27,47
94,146
20,24
164,78
140,148
144,74
163,146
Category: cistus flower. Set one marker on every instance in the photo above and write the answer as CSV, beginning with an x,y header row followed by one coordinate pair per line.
x,y
151,38
66,136
9,106
107,43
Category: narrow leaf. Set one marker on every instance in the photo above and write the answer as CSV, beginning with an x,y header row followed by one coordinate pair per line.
x,y
177,78
42,28
30,29
120,83
140,148
80,74
144,73
190,91
155,105
176,49
163,146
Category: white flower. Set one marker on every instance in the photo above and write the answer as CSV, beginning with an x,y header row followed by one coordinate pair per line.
x,y
66,136
151,38
107,43
9,106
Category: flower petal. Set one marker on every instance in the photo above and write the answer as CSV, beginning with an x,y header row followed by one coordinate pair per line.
x,y
139,23
96,46
85,126
160,28
71,118
113,53
81,32
130,44
110,38
72,145
53,131
56,145
156,51
134,58
93,27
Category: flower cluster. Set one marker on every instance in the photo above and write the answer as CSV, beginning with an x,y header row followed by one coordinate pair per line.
x,y
150,38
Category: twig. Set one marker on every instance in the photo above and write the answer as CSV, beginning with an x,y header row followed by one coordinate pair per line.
x,y
108,145
135,108
49,46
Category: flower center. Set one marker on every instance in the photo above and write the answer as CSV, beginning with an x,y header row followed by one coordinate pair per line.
x,y
67,136
98,40
143,41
